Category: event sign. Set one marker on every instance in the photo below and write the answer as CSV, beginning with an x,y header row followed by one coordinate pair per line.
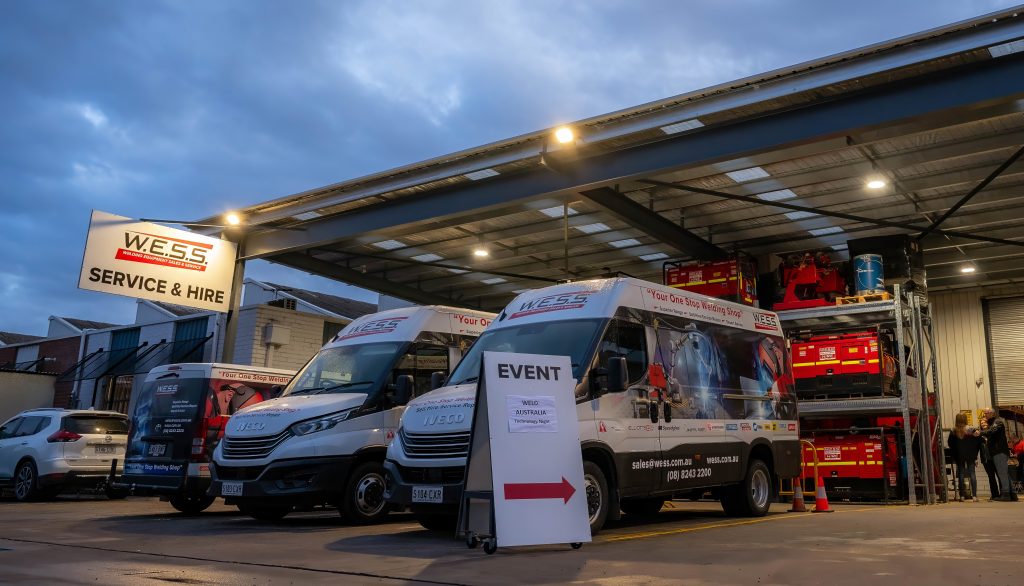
x,y
526,449
150,261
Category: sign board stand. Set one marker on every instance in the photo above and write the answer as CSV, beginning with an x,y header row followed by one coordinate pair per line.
x,y
524,473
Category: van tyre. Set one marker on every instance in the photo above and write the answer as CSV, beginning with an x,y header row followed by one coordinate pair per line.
x,y
752,496
267,513
596,492
642,507
363,502
26,482
191,504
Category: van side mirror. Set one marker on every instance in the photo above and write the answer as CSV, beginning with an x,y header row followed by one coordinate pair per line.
x,y
403,389
275,391
437,379
616,375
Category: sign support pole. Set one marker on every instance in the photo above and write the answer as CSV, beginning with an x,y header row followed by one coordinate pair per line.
x,y
231,320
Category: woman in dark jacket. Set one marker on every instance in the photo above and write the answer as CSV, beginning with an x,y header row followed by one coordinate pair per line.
x,y
986,461
964,444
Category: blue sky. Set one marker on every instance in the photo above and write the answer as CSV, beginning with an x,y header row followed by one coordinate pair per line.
x,y
186,109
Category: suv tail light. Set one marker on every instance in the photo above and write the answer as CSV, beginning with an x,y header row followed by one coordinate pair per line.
x,y
63,436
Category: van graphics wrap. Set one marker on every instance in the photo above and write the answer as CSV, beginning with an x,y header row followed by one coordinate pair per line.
x,y
549,303
369,328
178,420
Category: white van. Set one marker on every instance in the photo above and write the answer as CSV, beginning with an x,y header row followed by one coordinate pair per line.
x,y
676,394
323,441
179,418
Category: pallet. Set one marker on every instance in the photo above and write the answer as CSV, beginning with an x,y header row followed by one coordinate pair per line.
x,y
869,298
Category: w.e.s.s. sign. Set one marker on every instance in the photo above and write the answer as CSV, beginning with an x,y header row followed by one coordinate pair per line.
x,y
149,261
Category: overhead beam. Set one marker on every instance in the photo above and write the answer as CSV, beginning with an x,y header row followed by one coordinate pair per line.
x,y
310,264
967,197
832,213
980,84
653,224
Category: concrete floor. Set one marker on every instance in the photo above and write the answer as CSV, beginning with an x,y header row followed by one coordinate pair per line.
x,y
143,541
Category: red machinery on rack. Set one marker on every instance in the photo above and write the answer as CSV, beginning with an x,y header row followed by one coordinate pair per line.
x,y
810,279
733,280
854,363
857,463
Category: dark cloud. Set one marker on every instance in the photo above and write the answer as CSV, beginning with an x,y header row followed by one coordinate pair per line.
x,y
185,109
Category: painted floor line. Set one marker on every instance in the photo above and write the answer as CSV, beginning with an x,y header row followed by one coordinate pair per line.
x,y
648,534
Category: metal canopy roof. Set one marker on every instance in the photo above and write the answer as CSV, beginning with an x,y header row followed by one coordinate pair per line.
x,y
779,163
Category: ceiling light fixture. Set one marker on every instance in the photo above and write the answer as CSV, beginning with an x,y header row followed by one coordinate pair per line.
x,y
876,184
564,135
233,219
481,252
967,269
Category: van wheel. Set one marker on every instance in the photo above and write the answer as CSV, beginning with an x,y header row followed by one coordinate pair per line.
x,y
753,496
596,490
268,513
643,507
26,482
363,501
191,504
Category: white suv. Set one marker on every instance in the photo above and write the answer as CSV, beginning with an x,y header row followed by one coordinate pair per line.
x,y
42,451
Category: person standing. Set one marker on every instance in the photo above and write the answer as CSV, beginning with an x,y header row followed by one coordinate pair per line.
x,y
964,444
999,450
986,461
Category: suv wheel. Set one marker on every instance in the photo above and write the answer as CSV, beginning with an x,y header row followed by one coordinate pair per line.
x,y
26,482
363,501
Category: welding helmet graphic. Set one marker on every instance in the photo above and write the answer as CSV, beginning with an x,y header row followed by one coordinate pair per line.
x,y
769,366
696,366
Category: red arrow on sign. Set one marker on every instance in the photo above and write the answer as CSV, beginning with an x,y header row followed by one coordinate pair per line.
x,y
540,490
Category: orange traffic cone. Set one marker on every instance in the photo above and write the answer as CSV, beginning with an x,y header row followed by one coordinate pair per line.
x,y
821,499
798,498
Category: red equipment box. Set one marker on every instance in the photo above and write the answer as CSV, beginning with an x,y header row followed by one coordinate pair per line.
x,y
856,464
732,280
843,364
809,280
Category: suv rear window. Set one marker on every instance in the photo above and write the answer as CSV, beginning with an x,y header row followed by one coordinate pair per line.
x,y
96,425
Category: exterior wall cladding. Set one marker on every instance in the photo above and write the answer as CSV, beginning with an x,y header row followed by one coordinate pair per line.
x,y
962,348
306,336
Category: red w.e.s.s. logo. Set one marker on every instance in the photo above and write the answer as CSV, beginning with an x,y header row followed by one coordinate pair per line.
x,y
765,321
164,251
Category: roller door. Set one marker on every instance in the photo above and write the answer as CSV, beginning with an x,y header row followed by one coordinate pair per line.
x,y
1004,322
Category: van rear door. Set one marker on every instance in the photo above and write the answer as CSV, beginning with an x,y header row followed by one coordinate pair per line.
x,y
167,420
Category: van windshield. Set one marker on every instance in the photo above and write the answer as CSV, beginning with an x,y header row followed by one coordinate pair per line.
x,y
572,338
346,369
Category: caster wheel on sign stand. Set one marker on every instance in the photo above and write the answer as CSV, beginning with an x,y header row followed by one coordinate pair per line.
x,y
472,540
576,545
490,546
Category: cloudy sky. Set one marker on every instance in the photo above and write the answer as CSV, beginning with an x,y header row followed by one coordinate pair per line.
x,y
185,109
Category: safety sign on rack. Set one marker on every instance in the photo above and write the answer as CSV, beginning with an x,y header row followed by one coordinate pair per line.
x,y
525,453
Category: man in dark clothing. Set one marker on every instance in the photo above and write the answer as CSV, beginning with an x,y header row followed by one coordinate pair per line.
x,y
999,451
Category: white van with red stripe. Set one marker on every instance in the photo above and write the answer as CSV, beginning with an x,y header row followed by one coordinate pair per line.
x,y
676,394
323,440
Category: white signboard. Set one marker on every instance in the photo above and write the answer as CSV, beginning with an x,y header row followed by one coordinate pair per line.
x,y
149,261
536,466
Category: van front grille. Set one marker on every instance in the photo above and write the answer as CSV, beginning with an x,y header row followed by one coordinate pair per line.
x,y
439,445
252,448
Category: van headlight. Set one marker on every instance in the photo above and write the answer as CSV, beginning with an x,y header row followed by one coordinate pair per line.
x,y
314,425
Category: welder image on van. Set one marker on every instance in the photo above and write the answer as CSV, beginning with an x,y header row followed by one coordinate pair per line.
x,y
707,367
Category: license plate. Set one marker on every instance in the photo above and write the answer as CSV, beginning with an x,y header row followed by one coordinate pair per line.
x,y
427,494
157,449
231,489
104,449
